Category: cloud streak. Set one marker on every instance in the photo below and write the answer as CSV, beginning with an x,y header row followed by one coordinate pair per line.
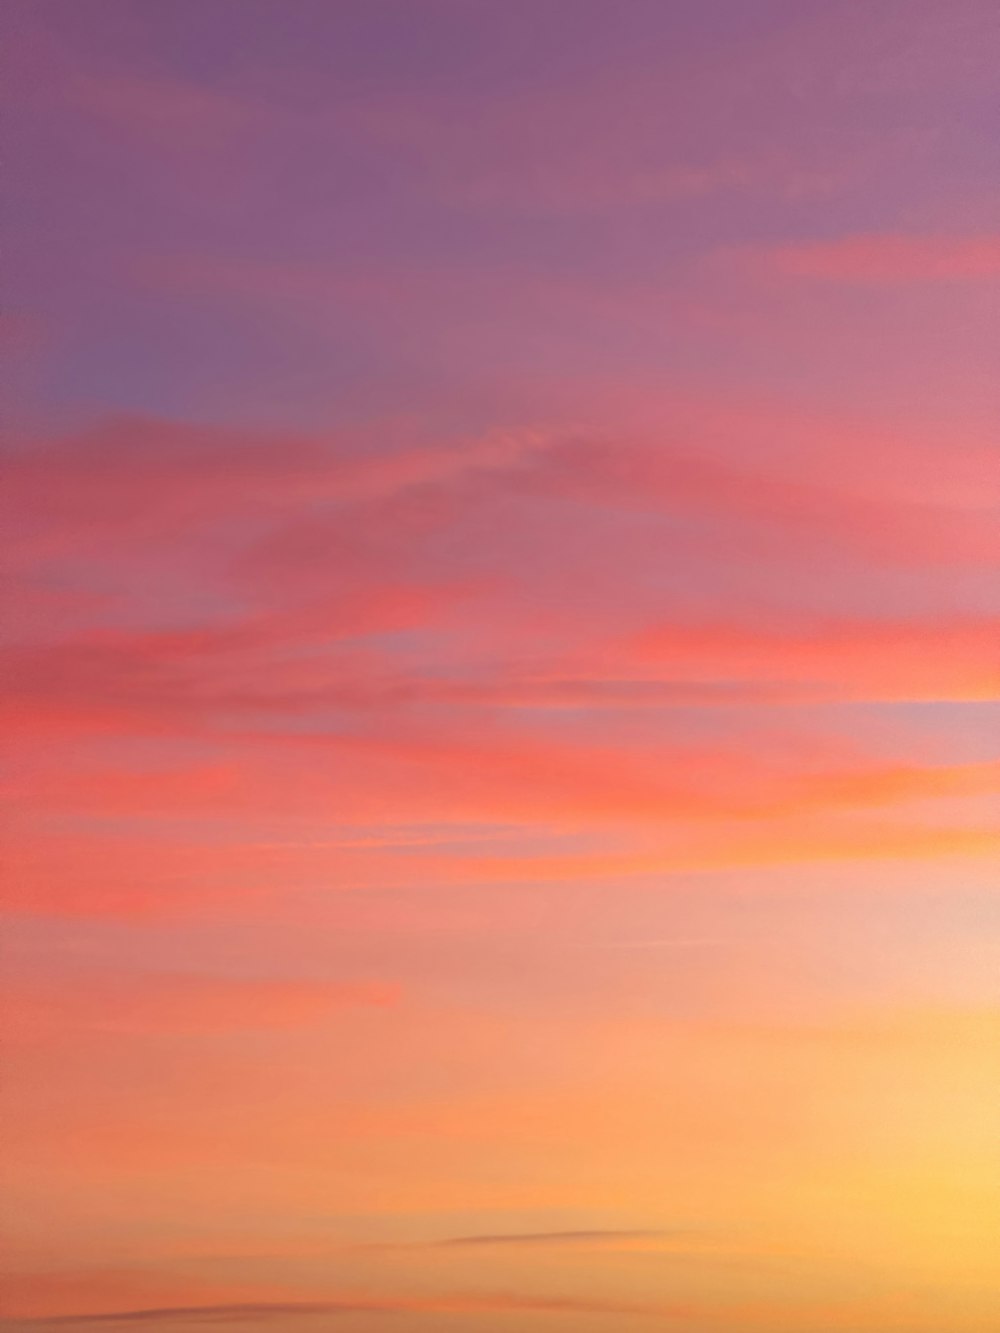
x,y
542,1239
257,1311
894,260
145,1003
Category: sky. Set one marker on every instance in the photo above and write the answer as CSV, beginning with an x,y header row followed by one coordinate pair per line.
x,y
500,653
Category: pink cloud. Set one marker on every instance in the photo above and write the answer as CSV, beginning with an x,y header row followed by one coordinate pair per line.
x,y
142,478
172,115
932,658
892,259
149,1003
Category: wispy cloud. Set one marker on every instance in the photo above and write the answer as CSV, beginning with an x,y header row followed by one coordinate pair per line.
x,y
556,1238
892,259
144,1003
252,1312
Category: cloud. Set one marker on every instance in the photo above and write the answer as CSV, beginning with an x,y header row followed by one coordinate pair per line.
x,y
477,771
287,662
170,115
150,1002
594,692
249,826
891,259
274,509
554,1238
308,650
300,667
764,510
489,1303
931,657
250,1311
142,478
284,550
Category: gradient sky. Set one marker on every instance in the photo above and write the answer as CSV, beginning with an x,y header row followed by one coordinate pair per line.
x,y
501,625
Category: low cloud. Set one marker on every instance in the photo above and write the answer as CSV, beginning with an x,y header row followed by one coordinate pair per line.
x,y
553,1238
269,1311
214,1313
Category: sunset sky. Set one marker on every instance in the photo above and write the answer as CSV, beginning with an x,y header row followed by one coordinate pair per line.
x,y
500,653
